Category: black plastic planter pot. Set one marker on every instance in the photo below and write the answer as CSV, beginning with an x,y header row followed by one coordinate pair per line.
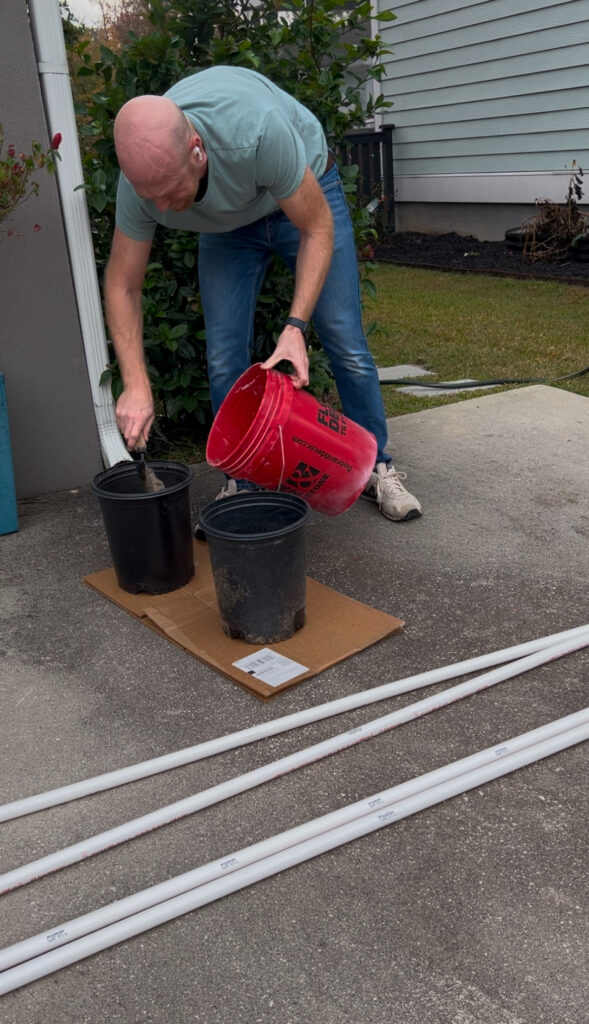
x,y
257,550
149,533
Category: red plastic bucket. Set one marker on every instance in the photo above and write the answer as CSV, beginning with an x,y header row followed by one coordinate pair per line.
x,y
283,439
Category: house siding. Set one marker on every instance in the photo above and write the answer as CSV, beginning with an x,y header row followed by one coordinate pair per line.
x,y
491,98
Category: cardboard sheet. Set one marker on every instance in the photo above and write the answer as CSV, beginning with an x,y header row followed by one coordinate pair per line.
x,y
336,627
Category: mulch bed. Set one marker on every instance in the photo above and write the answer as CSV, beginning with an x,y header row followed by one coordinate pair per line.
x,y
465,253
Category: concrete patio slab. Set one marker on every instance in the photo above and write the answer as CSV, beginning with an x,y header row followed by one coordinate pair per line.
x,y
403,370
471,912
388,373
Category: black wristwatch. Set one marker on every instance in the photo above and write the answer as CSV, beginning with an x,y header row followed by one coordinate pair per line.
x,y
301,324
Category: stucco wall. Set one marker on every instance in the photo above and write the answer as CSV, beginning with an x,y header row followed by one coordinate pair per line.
x,y
53,430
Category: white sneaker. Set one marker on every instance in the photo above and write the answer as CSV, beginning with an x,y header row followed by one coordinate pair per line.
x,y
385,488
227,491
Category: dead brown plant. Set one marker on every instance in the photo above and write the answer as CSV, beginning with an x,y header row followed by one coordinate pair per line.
x,y
547,235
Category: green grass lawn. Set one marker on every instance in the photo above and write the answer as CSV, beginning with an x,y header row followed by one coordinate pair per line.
x,y
476,326
465,326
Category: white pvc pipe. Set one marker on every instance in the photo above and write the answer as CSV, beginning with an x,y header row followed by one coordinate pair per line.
x,y
120,931
164,815
188,755
57,94
61,934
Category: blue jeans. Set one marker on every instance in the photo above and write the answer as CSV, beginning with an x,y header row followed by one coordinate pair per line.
x,y
231,270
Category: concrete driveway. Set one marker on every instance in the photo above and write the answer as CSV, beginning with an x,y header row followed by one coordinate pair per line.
x,y
471,912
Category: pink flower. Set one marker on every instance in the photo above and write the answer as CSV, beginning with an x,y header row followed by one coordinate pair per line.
x,y
11,151
56,140
36,227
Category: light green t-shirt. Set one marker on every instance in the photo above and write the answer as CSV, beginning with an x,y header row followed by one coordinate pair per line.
x,y
258,140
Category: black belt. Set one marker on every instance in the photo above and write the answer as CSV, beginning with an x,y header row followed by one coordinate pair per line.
x,y
330,162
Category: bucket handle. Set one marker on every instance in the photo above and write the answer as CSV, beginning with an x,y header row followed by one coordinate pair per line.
x,y
283,456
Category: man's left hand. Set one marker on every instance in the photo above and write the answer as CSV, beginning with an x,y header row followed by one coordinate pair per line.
x,y
291,346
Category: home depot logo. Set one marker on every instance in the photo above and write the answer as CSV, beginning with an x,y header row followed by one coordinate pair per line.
x,y
306,478
327,417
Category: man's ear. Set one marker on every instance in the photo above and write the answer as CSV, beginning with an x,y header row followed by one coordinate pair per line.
x,y
195,144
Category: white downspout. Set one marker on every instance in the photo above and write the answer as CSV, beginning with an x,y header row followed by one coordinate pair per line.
x,y
57,94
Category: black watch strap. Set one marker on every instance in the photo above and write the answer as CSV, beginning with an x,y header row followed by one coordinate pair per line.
x,y
301,324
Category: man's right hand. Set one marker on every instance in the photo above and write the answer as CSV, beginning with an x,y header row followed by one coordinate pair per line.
x,y
122,294
135,415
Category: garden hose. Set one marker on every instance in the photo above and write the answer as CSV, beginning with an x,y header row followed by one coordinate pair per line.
x,y
461,385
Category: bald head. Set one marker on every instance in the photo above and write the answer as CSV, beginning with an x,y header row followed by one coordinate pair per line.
x,y
152,139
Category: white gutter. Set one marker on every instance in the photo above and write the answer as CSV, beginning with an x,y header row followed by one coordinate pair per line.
x,y
59,108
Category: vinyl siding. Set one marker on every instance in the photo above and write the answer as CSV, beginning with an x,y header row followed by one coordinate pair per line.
x,y
491,87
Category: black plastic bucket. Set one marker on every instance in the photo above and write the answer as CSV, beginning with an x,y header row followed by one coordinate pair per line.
x,y
149,533
257,550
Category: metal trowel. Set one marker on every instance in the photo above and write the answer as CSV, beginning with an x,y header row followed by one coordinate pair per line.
x,y
150,481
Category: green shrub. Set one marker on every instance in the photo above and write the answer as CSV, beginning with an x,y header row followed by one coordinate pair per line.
x,y
315,50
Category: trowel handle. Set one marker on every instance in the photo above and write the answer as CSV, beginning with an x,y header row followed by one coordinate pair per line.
x,y
141,446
